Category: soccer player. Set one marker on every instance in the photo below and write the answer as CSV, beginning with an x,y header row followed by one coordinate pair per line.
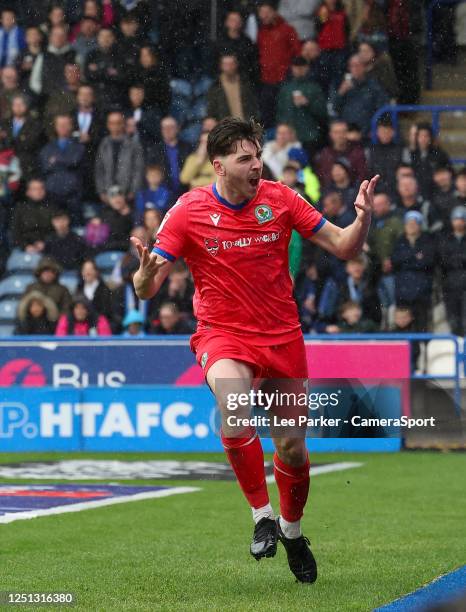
x,y
234,237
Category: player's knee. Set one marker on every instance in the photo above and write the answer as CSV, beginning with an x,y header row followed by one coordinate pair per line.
x,y
291,451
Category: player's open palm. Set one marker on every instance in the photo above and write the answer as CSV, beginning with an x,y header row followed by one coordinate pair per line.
x,y
364,202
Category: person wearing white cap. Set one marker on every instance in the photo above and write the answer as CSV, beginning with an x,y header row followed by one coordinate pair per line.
x,y
413,259
452,258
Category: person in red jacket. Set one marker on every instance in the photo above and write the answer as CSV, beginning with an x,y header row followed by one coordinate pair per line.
x,y
333,34
82,321
278,43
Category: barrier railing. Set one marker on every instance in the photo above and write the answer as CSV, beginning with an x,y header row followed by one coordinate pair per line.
x,y
394,109
430,36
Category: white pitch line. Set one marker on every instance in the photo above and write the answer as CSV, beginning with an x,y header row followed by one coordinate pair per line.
x,y
19,516
325,469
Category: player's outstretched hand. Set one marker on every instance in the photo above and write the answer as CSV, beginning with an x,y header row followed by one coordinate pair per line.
x,y
149,263
364,202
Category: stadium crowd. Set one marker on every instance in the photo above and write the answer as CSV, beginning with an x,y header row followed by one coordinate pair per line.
x,y
105,109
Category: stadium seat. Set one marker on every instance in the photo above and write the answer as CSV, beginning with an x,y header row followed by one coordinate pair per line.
x,y
21,262
440,357
191,133
8,310
6,330
106,261
70,279
202,86
15,285
181,88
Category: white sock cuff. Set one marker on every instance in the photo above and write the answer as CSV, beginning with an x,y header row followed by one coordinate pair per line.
x,y
264,512
290,530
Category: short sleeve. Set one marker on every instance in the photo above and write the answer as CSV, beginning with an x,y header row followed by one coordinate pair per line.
x,y
305,218
171,235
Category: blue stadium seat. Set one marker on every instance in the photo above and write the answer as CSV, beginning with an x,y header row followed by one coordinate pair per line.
x,y
70,279
8,310
106,261
191,133
15,285
19,261
6,330
202,86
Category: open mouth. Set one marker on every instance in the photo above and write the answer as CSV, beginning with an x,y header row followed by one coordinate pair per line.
x,y
254,182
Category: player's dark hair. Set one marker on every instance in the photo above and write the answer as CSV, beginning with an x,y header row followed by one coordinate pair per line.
x,y
224,137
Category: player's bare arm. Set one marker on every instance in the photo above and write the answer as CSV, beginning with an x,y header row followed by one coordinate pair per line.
x,y
153,270
347,242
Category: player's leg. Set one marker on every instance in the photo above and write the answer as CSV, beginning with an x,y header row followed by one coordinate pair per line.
x,y
244,452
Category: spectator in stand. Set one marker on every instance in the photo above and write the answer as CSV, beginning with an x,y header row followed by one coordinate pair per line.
x,y
460,184
61,166
443,196
55,17
340,147
32,219
178,289
278,43
197,170
26,135
118,216
409,199
88,129
62,101
64,245
425,158
104,70
233,41
386,229
403,323
405,22
156,195
10,171
151,73
298,13
8,90
119,160
413,261
82,321
170,322
48,73
27,58
335,210
232,94
133,325
86,40
12,40
353,321
171,154
359,287
151,222
333,30
373,26
452,259
129,44
48,283
358,97
341,182
301,103
385,156
37,315
94,289
124,298
275,153
379,66
313,56
298,159
146,118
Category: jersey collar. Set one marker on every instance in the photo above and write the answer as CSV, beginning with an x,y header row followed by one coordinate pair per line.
x,y
226,202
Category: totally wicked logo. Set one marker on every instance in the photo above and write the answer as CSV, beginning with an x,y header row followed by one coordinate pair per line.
x,y
23,373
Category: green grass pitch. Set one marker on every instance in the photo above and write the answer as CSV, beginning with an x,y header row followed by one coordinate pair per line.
x,y
377,531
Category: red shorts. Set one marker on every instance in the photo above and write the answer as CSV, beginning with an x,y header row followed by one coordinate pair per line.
x,y
286,360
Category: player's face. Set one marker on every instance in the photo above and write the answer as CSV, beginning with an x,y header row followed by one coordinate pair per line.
x,y
243,168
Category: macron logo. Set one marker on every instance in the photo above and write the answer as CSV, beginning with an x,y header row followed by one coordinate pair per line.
x,y
215,218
